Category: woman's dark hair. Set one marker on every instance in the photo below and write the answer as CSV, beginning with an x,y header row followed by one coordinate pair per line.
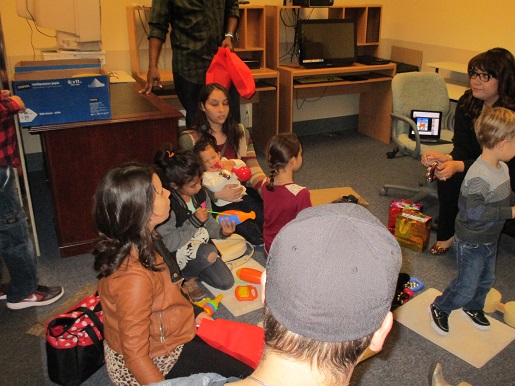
x,y
123,205
280,150
500,63
177,167
230,126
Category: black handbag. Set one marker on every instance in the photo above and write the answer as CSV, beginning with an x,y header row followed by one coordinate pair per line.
x,y
74,344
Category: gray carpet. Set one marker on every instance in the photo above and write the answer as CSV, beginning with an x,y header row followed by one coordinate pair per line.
x,y
344,159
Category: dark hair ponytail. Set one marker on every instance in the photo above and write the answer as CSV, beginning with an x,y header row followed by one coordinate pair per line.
x,y
280,150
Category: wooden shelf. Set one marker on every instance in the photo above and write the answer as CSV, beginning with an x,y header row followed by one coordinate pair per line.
x,y
367,19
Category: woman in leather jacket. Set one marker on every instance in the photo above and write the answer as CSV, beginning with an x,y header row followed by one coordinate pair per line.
x,y
149,322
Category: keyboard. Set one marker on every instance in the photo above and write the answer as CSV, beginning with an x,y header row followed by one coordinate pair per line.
x,y
371,60
318,79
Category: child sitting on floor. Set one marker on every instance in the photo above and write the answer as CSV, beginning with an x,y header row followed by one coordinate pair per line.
x,y
282,198
190,227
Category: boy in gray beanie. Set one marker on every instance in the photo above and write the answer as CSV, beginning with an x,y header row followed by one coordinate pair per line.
x,y
329,283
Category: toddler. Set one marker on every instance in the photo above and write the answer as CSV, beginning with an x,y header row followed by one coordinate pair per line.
x,y
485,203
216,175
217,171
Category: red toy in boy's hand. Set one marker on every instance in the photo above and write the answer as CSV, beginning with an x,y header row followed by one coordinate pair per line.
x,y
243,173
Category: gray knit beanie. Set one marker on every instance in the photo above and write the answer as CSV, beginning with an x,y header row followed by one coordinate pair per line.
x,y
332,273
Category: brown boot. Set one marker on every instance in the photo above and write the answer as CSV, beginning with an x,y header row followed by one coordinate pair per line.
x,y
194,290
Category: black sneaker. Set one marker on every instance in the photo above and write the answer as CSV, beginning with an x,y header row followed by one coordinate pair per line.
x,y
439,320
478,319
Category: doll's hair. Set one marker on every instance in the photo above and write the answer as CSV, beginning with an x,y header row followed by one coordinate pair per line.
x,y
177,167
280,150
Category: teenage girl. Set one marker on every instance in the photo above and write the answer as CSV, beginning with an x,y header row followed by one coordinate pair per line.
x,y
190,227
282,198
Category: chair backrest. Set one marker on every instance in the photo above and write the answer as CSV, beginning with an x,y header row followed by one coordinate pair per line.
x,y
407,55
419,91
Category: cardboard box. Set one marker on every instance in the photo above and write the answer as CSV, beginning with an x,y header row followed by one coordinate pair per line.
x,y
62,91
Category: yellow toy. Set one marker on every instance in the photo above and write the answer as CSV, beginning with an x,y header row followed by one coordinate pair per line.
x,y
210,306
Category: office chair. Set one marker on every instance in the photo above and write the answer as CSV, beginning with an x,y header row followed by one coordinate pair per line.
x,y
418,91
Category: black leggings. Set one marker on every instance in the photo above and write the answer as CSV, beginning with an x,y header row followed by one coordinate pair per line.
x,y
448,194
199,357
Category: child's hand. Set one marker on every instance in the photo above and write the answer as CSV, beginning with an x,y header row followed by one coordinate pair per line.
x,y
228,226
202,214
513,212
227,165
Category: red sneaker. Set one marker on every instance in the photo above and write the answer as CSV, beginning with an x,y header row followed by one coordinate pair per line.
x,y
3,291
42,296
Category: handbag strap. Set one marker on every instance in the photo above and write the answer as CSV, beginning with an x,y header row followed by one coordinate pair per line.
x,y
68,322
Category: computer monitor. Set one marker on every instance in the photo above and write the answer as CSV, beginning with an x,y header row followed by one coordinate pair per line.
x,y
326,42
76,22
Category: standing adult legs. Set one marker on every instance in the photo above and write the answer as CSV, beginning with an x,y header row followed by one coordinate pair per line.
x,y
16,247
188,94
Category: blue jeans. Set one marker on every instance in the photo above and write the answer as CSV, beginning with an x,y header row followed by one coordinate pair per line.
x,y
215,273
476,276
16,247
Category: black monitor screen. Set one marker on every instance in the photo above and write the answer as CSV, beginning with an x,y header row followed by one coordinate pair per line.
x,y
326,42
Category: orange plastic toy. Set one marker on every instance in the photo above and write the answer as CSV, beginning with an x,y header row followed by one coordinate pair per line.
x,y
250,275
245,292
236,215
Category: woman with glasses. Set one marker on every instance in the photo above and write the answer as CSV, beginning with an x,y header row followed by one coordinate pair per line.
x,y
492,84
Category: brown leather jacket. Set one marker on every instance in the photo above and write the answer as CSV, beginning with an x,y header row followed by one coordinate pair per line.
x,y
145,315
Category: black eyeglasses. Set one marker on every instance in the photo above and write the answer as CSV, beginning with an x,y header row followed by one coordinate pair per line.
x,y
483,76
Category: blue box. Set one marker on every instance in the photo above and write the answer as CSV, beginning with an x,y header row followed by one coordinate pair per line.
x,y
64,91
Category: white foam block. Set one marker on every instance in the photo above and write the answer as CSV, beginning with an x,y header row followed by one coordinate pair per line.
x,y
464,340
229,300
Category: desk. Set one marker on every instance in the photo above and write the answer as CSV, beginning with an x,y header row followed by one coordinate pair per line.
x,y
460,68
375,92
455,88
78,154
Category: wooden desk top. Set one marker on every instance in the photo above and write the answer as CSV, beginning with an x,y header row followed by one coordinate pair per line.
x,y
354,69
460,68
127,104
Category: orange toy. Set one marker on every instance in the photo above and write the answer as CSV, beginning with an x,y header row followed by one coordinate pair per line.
x,y
245,292
249,274
235,215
